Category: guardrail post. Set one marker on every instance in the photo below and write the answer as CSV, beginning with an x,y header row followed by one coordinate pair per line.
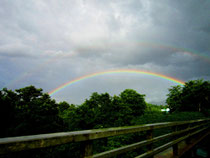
x,y
175,146
150,136
189,140
87,149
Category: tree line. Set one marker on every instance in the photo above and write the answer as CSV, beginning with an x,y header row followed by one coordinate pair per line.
x,y
29,111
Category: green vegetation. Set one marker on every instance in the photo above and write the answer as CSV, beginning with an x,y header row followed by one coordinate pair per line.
x,y
194,96
29,111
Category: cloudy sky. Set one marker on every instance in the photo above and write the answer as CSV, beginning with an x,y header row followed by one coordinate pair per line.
x,y
48,43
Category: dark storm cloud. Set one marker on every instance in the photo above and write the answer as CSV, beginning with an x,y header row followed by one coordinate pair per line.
x,y
183,20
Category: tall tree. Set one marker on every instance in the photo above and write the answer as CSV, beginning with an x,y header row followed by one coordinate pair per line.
x,y
134,100
194,96
8,104
29,111
174,98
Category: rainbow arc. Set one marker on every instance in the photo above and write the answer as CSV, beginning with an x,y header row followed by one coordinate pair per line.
x,y
172,79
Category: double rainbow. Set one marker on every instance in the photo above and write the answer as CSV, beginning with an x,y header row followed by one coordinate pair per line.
x,y
147,44
114,72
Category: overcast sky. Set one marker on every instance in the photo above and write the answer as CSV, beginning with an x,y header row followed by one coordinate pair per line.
x,y
48,43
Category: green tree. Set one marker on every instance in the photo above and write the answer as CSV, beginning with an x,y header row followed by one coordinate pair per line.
x,y
103,110
174,98
29,111
92,113
8,103
194,96
62,106
134,100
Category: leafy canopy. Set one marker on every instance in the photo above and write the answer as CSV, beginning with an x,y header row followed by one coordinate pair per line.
x,y
28,111
194,96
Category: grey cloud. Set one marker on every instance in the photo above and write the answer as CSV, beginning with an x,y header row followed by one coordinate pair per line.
x,y
206,28
15,50
59,41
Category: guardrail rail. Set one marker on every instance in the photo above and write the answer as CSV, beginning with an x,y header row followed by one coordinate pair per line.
x,y
193,127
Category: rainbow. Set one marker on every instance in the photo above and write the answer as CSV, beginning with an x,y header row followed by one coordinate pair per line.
x,y
114,72
148,44
175,48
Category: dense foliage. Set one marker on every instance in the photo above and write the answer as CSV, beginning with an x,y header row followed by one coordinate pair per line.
x,y
193,96
102,110
29,111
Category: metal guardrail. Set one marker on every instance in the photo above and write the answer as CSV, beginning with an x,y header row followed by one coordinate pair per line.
x,y
14,144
